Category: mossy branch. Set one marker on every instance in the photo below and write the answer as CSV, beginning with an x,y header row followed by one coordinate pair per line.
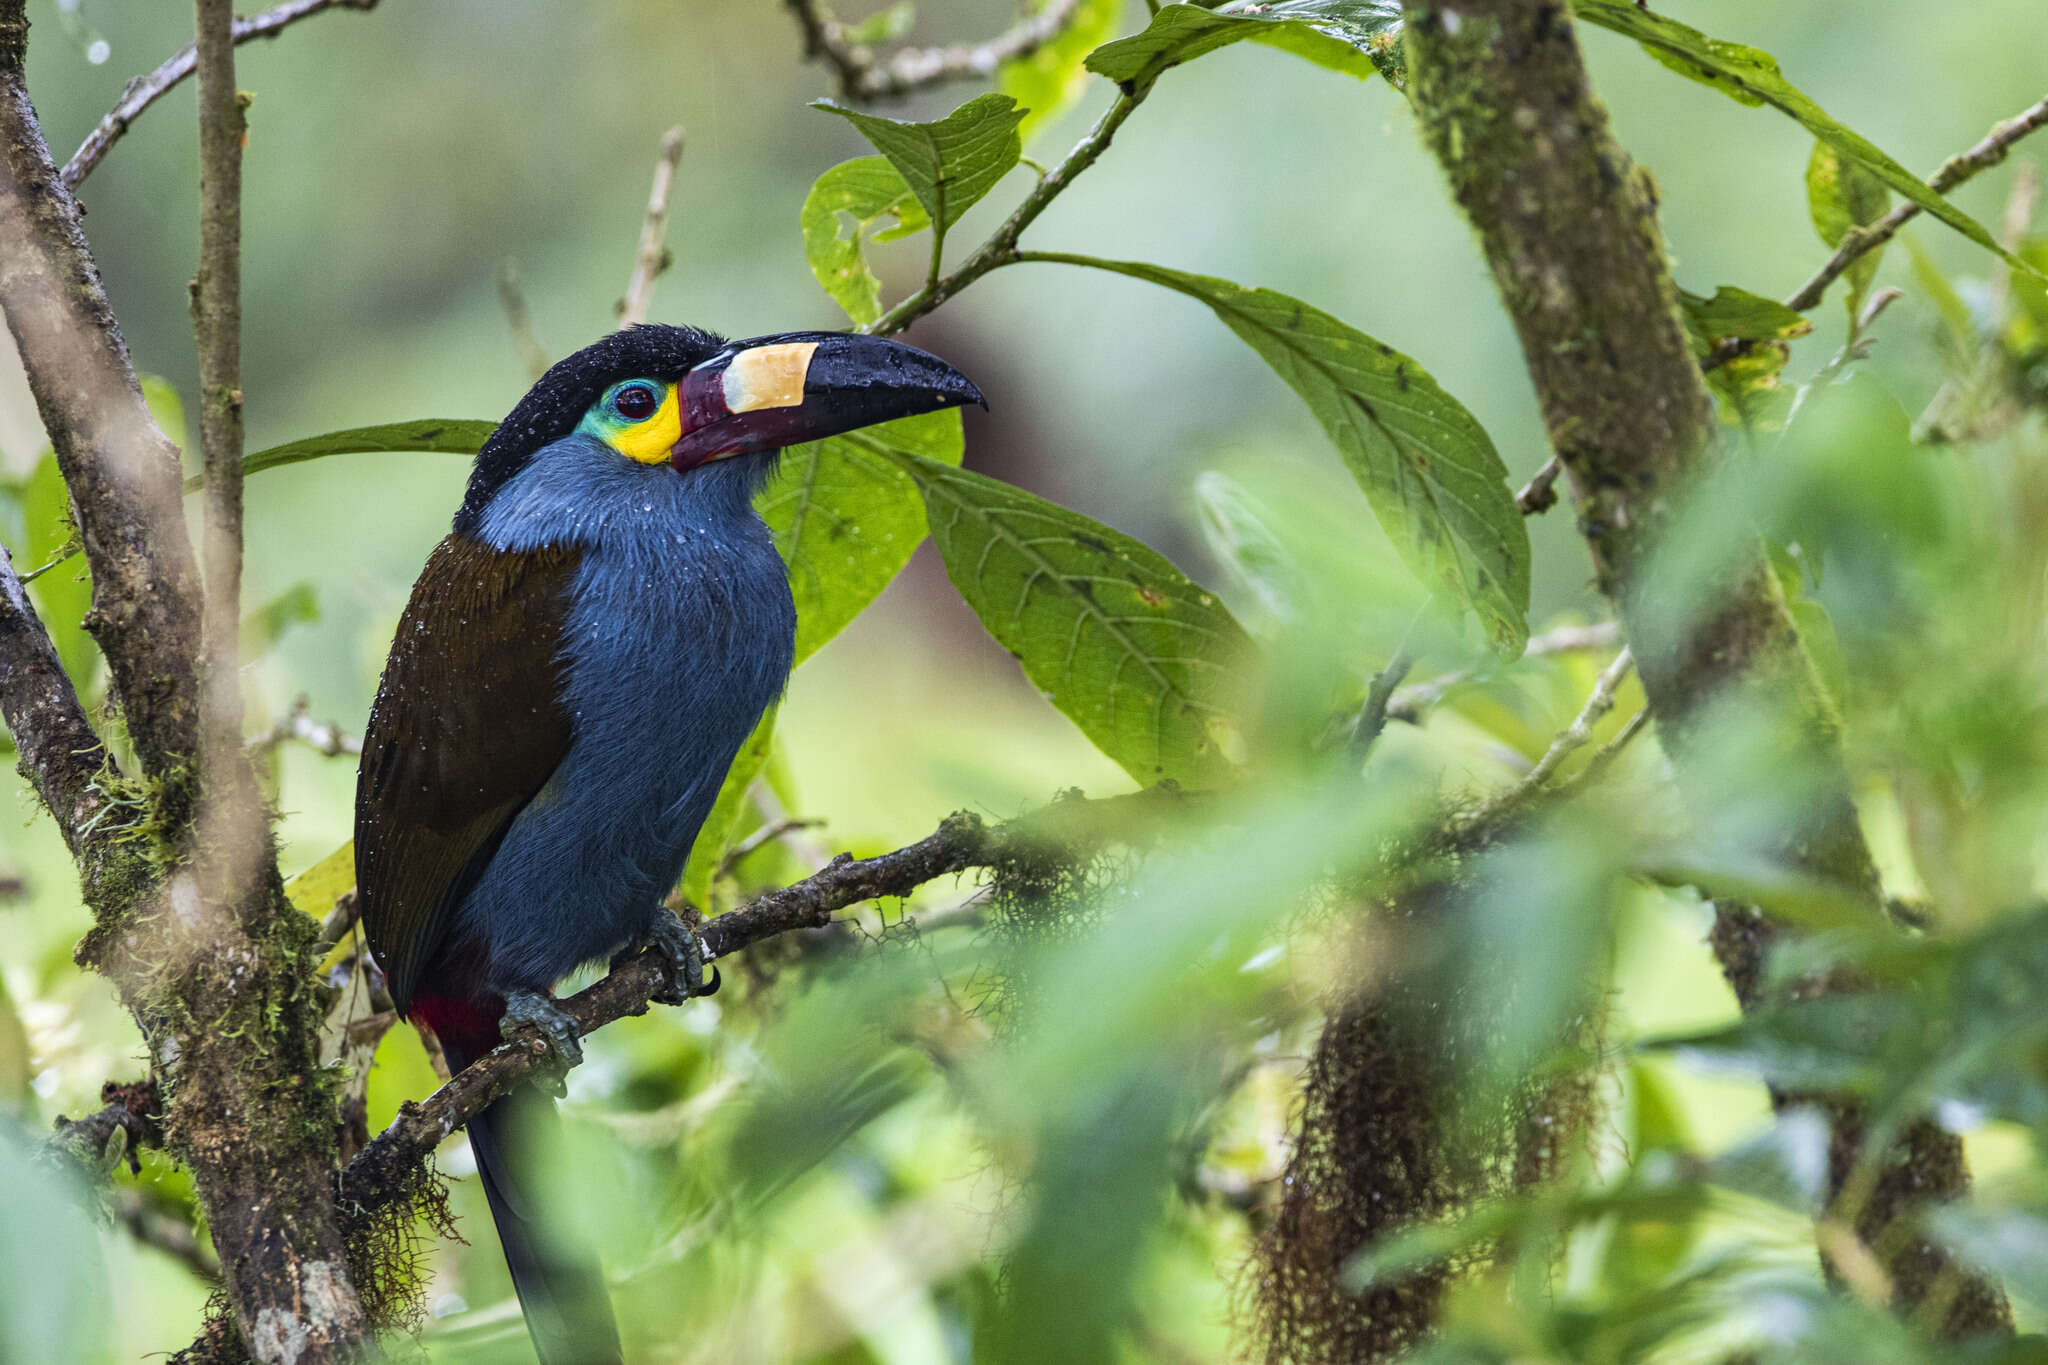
x,y
1072,827
1569,228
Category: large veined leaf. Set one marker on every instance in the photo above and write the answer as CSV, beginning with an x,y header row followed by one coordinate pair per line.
x,y
1357,37
444,435
1751,77
951,163
1147,664
866,190
846,517
1428,468
1047,80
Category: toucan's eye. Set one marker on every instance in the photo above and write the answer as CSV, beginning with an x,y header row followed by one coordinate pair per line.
x,y
635,402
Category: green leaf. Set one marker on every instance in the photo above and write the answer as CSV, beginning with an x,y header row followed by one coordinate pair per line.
x,y
1427,467
1147,664
1047,80
1737,313
64,595
846,518
1956,318
949,165
1357,37
1742,380
714,836
452,436
1840,194
1751,77
317,888
866,191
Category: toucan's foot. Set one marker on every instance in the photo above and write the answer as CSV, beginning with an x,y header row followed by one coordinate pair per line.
x,y
685,951
555,1024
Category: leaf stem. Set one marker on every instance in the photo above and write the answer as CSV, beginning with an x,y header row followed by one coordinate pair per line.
x,y
865,76
1001,247
1988,152
144,91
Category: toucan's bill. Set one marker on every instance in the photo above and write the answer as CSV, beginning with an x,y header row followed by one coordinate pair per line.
x,y
778,391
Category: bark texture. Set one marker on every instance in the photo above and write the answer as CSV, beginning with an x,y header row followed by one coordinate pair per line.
x,y
1569,229
219,981
122,470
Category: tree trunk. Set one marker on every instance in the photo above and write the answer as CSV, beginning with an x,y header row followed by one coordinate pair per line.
x,y
1569,228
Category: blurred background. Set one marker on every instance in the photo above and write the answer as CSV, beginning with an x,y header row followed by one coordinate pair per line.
x,y
399,160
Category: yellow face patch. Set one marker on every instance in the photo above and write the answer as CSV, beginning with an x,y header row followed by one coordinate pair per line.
x,y
768,376
649,441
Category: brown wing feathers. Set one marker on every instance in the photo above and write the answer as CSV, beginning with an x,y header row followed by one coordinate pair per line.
x,y
467,727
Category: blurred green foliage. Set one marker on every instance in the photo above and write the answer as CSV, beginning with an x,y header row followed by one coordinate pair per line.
x,y
1053,1123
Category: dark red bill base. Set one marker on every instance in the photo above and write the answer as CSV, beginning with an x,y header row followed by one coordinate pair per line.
x,y
846,381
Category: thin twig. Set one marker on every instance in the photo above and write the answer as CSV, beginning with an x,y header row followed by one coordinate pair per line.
x,y
1859,241
1410,702
321,736
969,912
119,468
1001,247
1372,717
519,321
1602,760
1580,731
144,91
59,751
865,76
339,921
767,834
963,841
173,1236
1569,741
809,852
652,258
217,322
130,1106
1540,493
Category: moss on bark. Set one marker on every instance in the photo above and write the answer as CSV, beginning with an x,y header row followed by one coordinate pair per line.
x,y
1569,228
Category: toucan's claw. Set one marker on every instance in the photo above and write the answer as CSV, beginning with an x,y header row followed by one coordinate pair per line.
x,y
685,951
557,1025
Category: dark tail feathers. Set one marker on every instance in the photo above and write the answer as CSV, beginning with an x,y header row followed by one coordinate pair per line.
x,y
561,1287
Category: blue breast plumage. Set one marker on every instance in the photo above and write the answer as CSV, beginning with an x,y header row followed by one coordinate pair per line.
x,y
679,633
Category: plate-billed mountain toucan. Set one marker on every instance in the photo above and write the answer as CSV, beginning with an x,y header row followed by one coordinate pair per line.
x,y
580,661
